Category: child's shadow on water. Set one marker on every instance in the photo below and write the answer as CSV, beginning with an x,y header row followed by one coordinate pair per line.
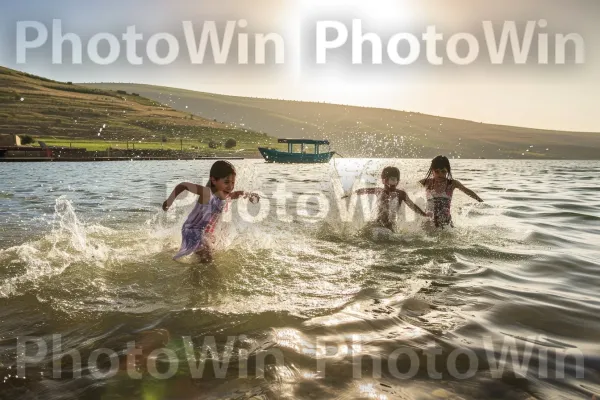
x,y
205,275
210,278
206,284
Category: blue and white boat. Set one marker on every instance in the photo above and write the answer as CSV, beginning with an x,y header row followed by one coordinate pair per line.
x,y
301,156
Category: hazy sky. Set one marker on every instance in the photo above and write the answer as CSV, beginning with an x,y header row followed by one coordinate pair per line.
x,y
544,96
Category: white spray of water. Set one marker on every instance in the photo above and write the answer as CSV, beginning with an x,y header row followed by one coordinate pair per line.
x,y
73,243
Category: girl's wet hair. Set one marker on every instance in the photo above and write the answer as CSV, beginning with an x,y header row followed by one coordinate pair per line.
x,y
390,172
440,162
221,169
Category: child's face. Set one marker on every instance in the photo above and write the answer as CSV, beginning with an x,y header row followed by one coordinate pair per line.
x,y
225,185
390,182
440,172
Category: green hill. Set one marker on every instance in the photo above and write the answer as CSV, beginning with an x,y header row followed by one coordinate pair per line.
x,y
61,113
373,132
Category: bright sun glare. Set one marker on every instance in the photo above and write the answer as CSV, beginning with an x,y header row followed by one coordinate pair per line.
x,y
382,9
334,86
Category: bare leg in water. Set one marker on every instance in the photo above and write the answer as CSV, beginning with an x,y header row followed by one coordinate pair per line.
x,y
204,257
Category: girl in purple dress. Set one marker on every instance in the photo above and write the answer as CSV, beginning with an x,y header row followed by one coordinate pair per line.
x,y
212,199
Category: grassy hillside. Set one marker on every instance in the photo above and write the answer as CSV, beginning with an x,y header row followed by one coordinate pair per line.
x,y
372,132
62,113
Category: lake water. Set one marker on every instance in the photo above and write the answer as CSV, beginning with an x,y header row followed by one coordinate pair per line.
x,y
300,301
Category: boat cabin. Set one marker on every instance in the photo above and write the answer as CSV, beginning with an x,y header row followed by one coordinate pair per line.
x,y
304,146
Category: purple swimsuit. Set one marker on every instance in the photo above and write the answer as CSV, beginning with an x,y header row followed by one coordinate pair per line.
x,y
199,223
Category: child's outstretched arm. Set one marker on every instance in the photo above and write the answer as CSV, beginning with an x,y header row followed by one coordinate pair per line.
x,y
410,204
466,191
254,197
366,191
202,191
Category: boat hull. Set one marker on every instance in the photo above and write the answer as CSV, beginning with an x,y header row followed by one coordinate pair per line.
x,y
276,156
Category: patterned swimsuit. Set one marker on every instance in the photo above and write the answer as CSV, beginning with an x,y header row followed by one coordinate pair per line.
x,y
199,225
439,203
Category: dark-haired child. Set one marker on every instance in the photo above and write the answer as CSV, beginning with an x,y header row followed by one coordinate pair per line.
x,y
386,197
200,224
439,188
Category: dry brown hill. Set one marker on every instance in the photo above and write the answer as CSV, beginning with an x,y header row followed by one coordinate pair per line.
x,y
43,108
374,132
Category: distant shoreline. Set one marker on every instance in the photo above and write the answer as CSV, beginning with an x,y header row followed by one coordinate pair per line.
x,y
105,159
121,159
374,132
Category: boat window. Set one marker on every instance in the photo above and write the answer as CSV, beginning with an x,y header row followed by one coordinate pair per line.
x,y
306,149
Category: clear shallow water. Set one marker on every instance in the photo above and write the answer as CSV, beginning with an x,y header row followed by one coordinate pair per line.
x,y
85,253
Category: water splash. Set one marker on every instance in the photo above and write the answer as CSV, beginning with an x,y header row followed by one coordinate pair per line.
x,y
70,243
66,221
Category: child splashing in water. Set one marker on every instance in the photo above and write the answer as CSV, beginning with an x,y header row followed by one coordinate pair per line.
x,y
439,187
197,229
389,199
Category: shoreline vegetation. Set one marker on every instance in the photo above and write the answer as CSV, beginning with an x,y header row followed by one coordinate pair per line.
x,y
64,121
106,121
70,149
